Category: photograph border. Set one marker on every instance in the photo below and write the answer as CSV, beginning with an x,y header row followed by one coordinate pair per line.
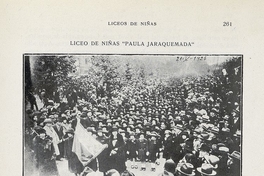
x,y
125,54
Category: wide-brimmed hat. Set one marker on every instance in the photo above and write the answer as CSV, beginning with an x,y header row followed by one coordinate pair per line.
x,y
225,130
39,130
236,155
223,150
213,160
206,169
187,169
48,120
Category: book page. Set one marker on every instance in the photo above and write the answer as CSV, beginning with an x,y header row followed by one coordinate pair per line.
x,y
149,45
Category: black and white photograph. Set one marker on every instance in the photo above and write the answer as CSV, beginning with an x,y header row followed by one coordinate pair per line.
x,y
132,114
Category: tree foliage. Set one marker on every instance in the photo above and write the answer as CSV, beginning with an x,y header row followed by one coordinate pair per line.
x,y
51,72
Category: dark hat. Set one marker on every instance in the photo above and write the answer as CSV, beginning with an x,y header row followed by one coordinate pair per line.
x,y
39,130
187,169
205,148
170,166
29,111
127,173
37,113
111,172
90,129
188,145
206,169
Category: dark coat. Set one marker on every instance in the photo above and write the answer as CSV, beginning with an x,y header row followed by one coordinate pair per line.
x,y
74,165
132,148
167,152
102,157
153,147
45,156
116,161
142,147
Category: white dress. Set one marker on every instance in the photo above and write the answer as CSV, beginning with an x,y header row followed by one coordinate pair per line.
x,y
55,138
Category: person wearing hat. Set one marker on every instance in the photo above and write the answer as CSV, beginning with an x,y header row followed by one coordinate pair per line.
x,y
222,166
186,169
167,145
105,132
203,154
153,148
132,150
103,155
234,163
44,154
142,150
169,168
123,134
206,170
116,152
237,141
188,158
59,130
52,133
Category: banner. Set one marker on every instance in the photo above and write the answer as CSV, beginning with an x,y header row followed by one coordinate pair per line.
x,y
85,146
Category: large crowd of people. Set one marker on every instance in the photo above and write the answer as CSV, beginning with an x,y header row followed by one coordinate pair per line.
x,y
194,124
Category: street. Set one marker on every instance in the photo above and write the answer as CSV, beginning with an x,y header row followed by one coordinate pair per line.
x,y
63,169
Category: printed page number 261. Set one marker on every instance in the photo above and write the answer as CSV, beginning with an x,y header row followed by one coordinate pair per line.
x,y
227,23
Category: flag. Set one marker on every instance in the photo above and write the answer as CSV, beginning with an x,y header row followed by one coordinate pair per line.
x,y
85,146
